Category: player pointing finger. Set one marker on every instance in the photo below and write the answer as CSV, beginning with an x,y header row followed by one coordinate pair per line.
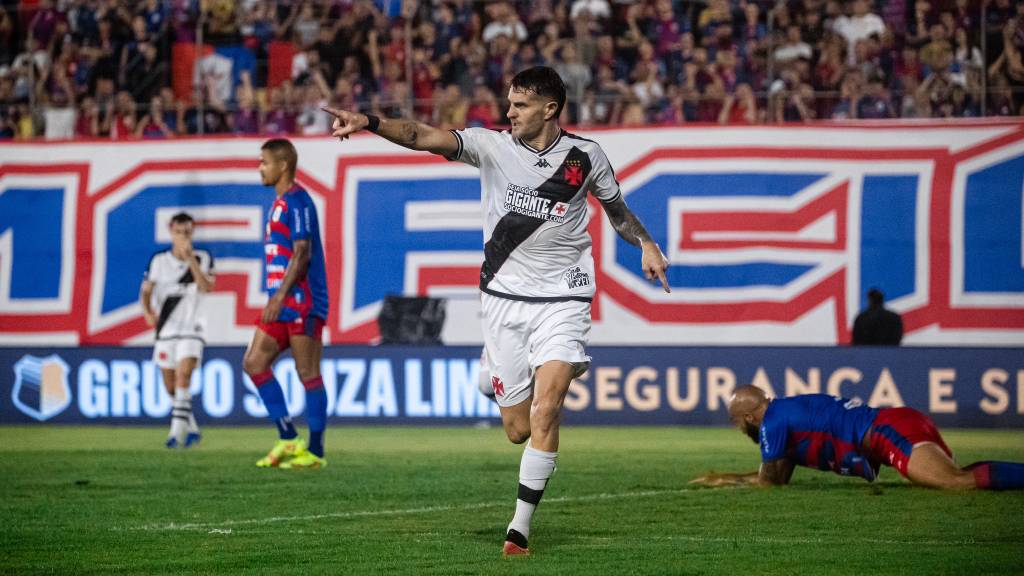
x,y
537,278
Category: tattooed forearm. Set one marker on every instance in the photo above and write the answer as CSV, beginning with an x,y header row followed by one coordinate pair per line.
x,y
402,132
409,133
626,223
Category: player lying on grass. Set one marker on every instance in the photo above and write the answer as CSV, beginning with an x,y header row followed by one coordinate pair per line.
x,y
827,433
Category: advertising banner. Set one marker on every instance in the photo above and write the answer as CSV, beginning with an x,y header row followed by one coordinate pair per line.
x,y
981,387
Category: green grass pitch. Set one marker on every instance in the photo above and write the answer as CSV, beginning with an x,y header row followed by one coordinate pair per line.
x,y
400,500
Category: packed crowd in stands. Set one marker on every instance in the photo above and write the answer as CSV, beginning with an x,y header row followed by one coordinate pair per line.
x,y
111,68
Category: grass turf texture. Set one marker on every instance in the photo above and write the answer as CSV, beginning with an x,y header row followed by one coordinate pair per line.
x,y
436,501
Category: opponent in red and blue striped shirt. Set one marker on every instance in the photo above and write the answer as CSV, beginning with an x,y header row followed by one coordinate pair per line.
x,y
817,431
846,437
293,219
295,313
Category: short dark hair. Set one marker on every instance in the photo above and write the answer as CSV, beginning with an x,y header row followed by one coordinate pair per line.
x,y
544,82
876,297
182,218
282,149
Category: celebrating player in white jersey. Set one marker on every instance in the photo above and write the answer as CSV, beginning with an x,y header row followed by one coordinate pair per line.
x,y
173,285
537,278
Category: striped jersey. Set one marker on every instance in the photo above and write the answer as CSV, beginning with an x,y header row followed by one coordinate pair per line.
x,y
293,217
818,431
536,245
176,296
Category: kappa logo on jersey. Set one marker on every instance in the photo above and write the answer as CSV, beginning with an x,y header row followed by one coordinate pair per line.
x,y
41,388
526,201
542,163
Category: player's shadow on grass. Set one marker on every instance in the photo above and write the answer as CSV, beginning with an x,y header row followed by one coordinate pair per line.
x,y
489,534
876,488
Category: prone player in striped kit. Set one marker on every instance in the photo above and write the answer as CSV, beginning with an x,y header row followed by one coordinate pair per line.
x,y
844,436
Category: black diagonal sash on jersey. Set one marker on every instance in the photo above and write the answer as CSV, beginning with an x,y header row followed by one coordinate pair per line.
x,y
172,301
187,277
514,228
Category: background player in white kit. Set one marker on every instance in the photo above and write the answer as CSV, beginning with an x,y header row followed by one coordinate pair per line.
x,y
537,278
171,296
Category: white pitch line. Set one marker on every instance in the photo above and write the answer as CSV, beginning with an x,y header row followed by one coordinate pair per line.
x,y
400,512
805,541
222,527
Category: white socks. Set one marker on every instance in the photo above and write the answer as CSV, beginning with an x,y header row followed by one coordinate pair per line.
x,y
534,470
182,420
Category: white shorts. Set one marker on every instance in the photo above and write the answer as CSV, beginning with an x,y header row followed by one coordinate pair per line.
x,y
519,337
168,353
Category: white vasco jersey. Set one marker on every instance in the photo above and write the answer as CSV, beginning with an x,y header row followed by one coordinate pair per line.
x,y
176,297
536,245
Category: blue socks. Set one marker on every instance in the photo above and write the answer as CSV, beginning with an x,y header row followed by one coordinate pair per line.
x,y
277,409
992,475
273,399
316,414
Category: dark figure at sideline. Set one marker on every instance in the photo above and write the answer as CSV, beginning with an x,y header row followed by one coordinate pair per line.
x,y
877,325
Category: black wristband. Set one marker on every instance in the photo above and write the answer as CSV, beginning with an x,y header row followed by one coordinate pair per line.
x,y
373,122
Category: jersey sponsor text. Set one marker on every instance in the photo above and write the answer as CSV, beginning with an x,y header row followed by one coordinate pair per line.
x,y
525,200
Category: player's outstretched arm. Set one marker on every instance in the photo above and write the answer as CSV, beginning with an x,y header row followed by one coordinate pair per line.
x,y
775,472
631,230
409,133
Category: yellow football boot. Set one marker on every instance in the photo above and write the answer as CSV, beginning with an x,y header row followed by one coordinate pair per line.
x,y
282,452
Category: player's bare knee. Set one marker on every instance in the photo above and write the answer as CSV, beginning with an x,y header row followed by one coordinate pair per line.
x,y
544,416
253,365
950,483
306,374
544,409
517,435
182,379
961,480
944,479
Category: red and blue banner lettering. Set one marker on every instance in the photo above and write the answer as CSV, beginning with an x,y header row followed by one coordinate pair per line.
x,y
774,234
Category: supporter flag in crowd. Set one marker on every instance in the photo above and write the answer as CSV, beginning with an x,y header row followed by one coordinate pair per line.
x,y
224,63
